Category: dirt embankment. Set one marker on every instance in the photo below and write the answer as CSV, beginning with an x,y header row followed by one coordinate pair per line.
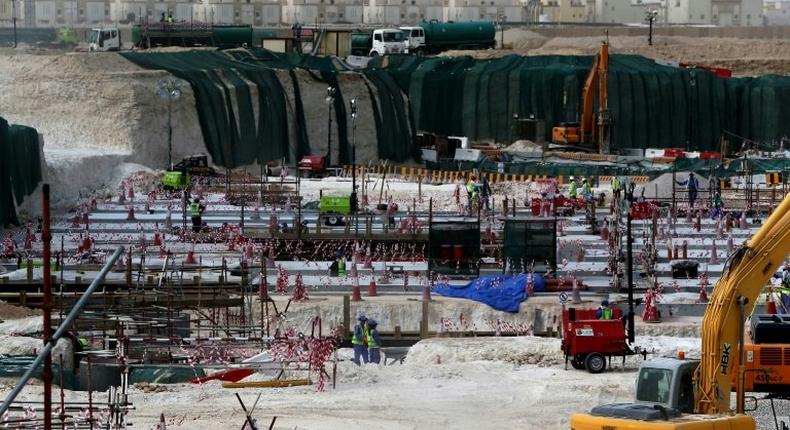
x,y
745,57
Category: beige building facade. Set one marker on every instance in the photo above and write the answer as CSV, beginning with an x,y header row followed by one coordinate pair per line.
x,y
87,13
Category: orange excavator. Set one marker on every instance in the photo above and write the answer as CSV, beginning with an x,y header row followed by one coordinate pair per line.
x,y
593,131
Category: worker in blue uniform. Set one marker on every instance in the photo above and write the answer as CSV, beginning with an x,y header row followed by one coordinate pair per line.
x,y
360,340
374,343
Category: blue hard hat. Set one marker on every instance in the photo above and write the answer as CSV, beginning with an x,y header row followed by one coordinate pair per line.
x,y
372,322
605,303
362,317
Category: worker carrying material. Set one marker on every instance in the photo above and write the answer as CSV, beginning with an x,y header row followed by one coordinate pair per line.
x,y
692,185
196,210
360,340
374,343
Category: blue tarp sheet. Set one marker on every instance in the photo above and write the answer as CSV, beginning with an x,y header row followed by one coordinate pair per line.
x,y
503,293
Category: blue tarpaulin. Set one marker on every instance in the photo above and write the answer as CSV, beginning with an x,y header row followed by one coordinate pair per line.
x,y
503,293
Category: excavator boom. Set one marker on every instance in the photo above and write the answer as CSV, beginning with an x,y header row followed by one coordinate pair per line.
x,y
665,385
748,271
593,128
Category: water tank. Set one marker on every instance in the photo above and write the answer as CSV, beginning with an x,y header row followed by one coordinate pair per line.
x,y
460,34
136,35
361,43
232,35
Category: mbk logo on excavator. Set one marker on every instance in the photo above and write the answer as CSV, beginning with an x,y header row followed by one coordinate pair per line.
x,y
725,358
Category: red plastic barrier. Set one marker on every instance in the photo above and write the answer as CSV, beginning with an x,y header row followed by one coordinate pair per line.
x,y
232,375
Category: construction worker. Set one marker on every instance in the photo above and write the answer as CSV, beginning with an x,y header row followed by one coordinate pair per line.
x,y
374,343
471,190
617,186
573,193
341,263
170,18
360,340
589,203
485,192
604,312
196,210
718,205
692,185
586,190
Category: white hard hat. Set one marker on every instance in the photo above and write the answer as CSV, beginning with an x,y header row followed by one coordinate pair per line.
x,y
572,178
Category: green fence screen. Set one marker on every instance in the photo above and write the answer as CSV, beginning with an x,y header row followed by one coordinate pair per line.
x,y
221,81
652,106
20,168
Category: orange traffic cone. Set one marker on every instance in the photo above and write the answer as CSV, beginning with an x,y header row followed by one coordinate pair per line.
x,y
372,288
356,295
190,255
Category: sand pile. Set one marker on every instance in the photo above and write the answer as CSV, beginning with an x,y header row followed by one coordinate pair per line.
x,y
8,311
517,351
743,56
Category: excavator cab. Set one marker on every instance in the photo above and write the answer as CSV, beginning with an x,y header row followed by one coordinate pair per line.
x,y
566,134
664,390
664,400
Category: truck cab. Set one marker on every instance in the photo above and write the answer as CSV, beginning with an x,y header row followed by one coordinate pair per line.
x,y
105,39
388,41
415,38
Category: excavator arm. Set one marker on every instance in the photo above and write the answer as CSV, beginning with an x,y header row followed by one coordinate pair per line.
x,y
747,272
588,98
593,127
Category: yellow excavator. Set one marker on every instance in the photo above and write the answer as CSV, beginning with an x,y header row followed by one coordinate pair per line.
x,y
688,394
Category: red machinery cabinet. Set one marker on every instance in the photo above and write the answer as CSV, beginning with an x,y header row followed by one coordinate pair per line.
x,y
587,342
314,164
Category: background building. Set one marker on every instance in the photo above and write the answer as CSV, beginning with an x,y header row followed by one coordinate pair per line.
x,y
776,12
87,13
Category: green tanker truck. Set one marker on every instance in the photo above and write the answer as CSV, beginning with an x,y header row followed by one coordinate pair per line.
x,y
176,34
182,34
433,37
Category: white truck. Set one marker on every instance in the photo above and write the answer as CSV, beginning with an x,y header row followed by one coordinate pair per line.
x,y
105,39
382,41
415,38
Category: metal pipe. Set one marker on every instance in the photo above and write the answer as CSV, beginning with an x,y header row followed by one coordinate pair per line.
x,y
630,274
64,325
46,373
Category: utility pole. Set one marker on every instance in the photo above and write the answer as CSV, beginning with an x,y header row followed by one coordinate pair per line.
x,y
330,99
13,18
169,90
353,155
650,17
502,31
630,264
